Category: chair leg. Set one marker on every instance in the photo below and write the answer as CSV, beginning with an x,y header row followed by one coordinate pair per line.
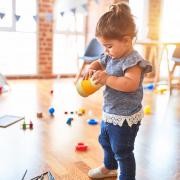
x,y
171,76
80,72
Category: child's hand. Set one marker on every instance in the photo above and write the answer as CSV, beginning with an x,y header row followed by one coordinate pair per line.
x,y
88,74
100,77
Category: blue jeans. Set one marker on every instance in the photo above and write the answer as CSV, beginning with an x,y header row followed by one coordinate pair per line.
x,y
118,145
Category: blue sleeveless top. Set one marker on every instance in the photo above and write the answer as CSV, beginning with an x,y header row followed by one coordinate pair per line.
x,y
118,102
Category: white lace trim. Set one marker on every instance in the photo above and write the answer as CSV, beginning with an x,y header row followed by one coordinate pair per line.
x,y
118,120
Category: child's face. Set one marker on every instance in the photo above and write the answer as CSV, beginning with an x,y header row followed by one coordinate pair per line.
x,y
116,48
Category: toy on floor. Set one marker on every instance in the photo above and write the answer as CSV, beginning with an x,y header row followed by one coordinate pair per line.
x,y
27,126
149,86
71,112
86,87
69,120
51,111
81,112
39,114
81,146
160,90
147,109
92,122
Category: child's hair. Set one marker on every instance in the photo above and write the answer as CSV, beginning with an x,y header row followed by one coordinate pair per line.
x,y
116,23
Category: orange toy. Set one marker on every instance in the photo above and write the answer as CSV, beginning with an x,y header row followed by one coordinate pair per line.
x,y
87,87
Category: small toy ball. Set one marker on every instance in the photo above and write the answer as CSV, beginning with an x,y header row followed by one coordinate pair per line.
x,y
51,111
69,120
147,109
39,114
51,91
81,146
92,122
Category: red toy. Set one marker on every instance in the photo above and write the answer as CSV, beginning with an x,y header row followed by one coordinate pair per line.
x,y
81,146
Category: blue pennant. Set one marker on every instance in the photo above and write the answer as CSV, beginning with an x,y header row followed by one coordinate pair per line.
x,y
2,15
85,7
17,17
73,10
35,17
62,13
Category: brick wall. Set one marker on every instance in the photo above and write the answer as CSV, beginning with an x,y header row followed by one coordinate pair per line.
x,y
45,37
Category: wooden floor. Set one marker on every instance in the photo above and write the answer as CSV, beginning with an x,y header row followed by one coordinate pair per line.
x,y
51,144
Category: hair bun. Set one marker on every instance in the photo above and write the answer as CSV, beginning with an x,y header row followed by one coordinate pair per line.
x,y
120,8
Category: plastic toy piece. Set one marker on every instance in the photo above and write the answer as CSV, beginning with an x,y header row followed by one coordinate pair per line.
x,y
69,120
86,87
51,111
160,90
39,114
30,125
81,147
24,125
147,109
149,86
92,122
27,126
80,112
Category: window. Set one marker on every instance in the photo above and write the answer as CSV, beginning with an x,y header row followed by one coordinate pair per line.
x,y
139,10
69,37
18,37
170,26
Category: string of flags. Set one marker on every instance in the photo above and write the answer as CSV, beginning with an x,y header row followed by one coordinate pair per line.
x,y
68,5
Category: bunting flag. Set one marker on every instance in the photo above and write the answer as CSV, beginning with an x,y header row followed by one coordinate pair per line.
x,y
17,17
62,13
2,15
35,18
49,17
85,6
73,10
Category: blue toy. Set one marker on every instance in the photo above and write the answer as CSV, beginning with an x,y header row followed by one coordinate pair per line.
x,y
69,120
51,111
92,122
149,86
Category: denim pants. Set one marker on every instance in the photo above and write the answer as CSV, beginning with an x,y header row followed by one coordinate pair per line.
x,y
118,145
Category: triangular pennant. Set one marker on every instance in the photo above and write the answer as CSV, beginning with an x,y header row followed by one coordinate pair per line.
x,y
49,17
35,17
2,15
85,7
73,10
62,13
17,17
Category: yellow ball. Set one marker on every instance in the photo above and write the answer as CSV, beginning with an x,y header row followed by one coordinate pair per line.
x,y
147,109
